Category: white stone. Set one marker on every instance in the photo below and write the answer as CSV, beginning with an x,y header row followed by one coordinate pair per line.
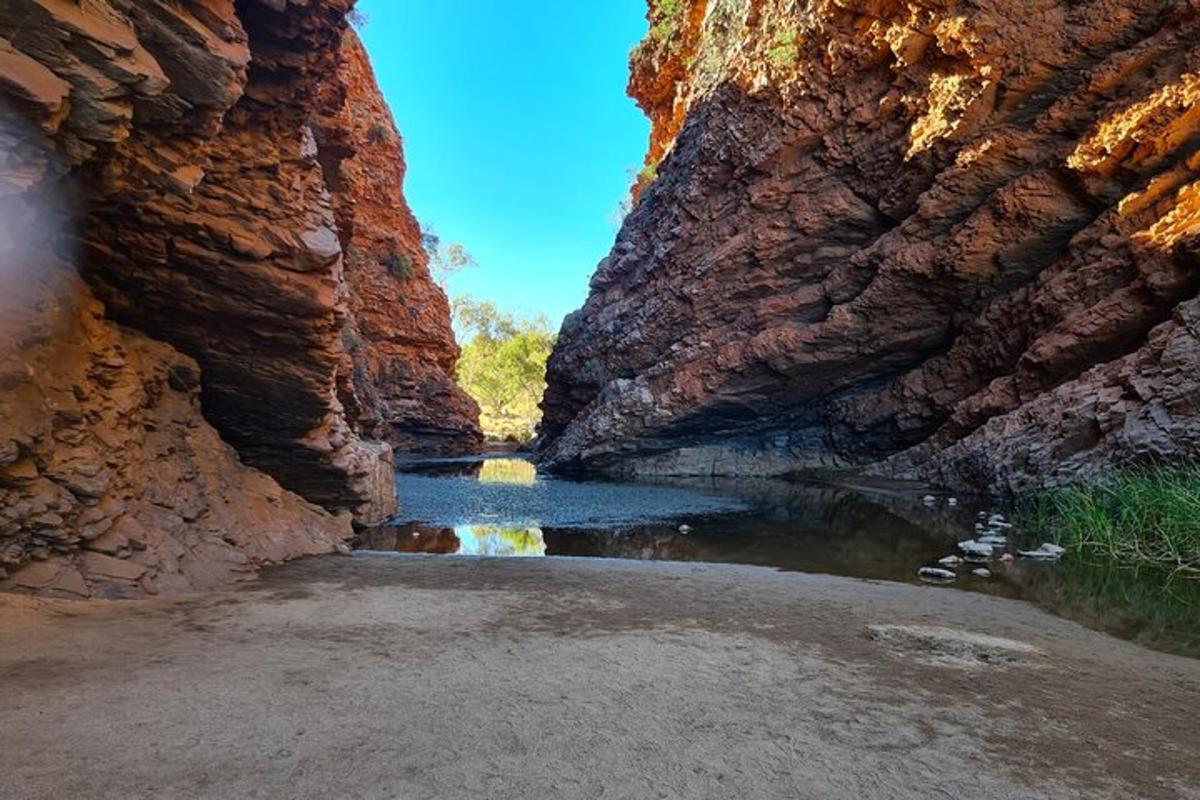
x,y
935,574
1047,552
974,548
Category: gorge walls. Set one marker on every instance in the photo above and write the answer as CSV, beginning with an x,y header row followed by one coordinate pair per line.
x,y
401,388
190,409
952,241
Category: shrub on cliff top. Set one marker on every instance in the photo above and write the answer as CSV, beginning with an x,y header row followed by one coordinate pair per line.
x,y
445,259
666,20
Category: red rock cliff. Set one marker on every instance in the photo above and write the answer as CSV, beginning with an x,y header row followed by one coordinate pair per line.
x,y
957,241
165,151
400,387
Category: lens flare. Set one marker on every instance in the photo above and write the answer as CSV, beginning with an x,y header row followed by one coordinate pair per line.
x,y
36,235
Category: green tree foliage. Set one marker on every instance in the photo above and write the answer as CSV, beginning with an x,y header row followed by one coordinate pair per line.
x,y
503,366
445,259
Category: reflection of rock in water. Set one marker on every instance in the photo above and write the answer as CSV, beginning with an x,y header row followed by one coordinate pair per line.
x,y
646,544
443,468
801,527
820,502
409,539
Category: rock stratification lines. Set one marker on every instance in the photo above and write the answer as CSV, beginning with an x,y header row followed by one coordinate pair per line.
x,y
953,241
400,387
205,418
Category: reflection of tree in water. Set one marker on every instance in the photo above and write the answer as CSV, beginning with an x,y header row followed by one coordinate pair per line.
x,y
508,470
468,540
865,533
480,540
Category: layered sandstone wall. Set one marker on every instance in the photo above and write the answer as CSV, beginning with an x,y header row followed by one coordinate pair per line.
x,y
112,484
215,232
193,426
400,387
956,241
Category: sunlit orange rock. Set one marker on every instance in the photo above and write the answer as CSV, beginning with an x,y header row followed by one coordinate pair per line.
x,y
940,240
399,383
179,417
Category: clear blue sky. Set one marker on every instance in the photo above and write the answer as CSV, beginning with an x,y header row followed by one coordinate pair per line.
x,y
518,134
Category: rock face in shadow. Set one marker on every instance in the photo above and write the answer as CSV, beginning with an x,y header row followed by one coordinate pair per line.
x,y
400,387
938,240
112,484
238,263
181,415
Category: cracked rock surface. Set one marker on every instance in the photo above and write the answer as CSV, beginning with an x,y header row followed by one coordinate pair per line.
x,y
188,410
941,240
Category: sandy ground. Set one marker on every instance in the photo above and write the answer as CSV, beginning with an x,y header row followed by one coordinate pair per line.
x,y
427,677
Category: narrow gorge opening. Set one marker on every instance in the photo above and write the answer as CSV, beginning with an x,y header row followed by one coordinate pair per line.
x,y
680,398
233,185
957,284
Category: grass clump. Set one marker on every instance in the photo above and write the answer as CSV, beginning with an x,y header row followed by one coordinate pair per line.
x,y
399,265
378,133
785,49
1150,516
647,175
641,183
668,17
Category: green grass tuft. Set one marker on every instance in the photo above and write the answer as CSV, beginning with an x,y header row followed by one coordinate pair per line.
x,y
667,20
785,50
399,266
379,132
1151,516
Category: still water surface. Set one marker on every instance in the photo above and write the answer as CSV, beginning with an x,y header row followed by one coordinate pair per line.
x,y
502,507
